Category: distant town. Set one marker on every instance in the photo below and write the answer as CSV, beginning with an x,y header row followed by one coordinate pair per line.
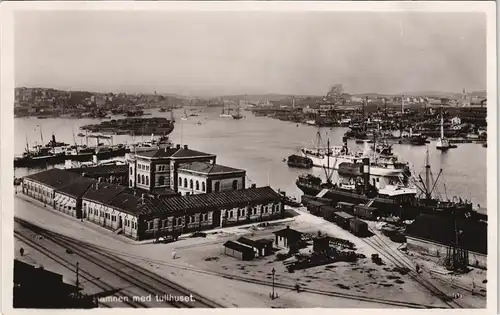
x,y
48,102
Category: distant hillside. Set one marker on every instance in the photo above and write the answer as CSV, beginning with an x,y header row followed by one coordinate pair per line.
x,y
263,97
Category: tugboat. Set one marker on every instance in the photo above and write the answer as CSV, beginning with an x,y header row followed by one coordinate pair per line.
x,y
414,139
299,161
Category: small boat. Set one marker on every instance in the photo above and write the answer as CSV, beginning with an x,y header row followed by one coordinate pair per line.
x,y
299,161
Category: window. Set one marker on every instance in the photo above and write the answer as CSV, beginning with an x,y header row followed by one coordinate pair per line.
x,y
179,221
238,213
147,180
203,186
197,185
147,167
130,183
188,219
191,183
205,216
185,182
165,223
230,214
143,179
161,180
243,212
235,184
217,186
180,181
131,170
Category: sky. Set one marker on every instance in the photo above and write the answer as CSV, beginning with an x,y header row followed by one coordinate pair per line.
x,y
221,53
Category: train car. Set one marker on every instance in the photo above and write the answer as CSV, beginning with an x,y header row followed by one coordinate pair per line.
x,y
305,199
346,207
364,212
343,219
328,213
358,227
314,207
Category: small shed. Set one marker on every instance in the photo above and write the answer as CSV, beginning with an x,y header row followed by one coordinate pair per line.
x,y
321,243
343,219
261,247
287,237
239,251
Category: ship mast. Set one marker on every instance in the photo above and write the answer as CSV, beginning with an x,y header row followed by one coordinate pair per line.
x,y
427,174
442,128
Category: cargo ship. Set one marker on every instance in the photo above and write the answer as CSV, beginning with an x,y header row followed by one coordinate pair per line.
x,y
394,199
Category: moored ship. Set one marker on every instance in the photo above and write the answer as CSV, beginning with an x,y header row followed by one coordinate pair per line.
x,y
134,126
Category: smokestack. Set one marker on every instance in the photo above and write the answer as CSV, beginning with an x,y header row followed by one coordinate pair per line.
x,y
402,104
185,146
53,139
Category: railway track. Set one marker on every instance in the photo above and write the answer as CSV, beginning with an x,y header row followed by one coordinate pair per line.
x,y
139,277
291,287
400,261
102,285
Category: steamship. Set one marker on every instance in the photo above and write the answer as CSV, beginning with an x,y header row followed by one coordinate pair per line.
x,y
397,197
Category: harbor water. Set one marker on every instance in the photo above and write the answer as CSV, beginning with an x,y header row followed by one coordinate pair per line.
x,y
259,145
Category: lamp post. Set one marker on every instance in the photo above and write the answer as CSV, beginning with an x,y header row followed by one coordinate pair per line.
x,y
273,296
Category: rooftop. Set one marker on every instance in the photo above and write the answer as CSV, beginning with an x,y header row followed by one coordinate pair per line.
x,y
103,192
473,235
238,247
209,168
77,188
127,202
289,233
55,177
173,152
252,243
212,200
100,170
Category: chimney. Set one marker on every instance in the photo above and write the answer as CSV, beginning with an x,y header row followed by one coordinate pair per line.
x,y
185,146
254,185
178,146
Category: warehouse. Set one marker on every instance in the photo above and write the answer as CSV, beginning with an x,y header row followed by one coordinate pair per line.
x,y
287,238
262,247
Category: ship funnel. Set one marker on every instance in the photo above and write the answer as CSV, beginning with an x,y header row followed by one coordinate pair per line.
x,y
185,146
366,173
53,139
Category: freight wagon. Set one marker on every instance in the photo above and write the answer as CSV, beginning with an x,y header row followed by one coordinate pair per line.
x,y
328,213
343,219
346,207
358,227
364,212
314,207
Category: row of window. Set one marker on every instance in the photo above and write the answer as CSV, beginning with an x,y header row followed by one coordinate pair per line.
x,y
143,167
162,168
192,184
113,218
38,189
179,221
141,179
253,211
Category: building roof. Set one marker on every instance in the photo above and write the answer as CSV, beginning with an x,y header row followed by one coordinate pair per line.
x,y
289,233
208,168
100,170
173,152
77,188
238,247
344,215
127,202
55,177
251,243
212,200
473,235
103,192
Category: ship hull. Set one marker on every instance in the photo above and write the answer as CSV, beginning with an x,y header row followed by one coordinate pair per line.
x,y
335,163
52,160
